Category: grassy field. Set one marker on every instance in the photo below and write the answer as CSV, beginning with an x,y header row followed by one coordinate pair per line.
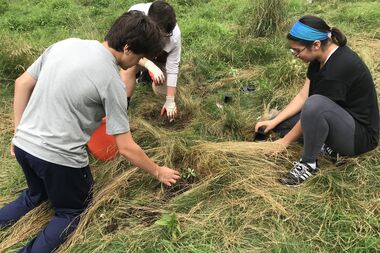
x,y
229,199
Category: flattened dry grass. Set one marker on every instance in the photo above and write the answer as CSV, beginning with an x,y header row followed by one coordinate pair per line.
x,y
236,203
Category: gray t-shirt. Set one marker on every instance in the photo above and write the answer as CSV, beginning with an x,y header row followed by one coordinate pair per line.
x,y
78,83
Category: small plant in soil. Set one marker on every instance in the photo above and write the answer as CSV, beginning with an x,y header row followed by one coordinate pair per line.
x,y
171,225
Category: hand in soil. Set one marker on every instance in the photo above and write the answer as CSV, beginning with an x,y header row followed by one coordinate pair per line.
x,y
168,176
169,108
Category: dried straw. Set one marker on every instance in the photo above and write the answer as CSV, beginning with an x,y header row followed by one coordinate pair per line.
x,y
27,226
106,195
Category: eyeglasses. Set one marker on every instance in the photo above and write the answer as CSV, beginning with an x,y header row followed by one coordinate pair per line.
x,y
296,52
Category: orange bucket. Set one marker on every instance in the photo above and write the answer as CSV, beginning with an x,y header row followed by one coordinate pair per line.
x,y
101,145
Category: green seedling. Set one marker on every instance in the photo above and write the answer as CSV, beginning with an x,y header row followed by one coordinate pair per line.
x,y
170,224
189,173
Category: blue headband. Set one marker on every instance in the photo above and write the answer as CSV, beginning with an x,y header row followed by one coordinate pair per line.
x,y
304,32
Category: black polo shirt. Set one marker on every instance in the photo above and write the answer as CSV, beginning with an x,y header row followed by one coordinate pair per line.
x,y
346,80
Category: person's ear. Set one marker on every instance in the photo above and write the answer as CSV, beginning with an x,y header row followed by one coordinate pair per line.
x,y
317,45
126,50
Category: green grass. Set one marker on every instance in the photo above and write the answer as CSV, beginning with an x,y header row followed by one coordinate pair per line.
x,y
233,204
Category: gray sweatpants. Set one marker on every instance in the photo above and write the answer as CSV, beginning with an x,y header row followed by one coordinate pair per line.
x,y
322,121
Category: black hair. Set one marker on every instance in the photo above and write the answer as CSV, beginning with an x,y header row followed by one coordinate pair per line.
x,y
337,36
163,14
138,31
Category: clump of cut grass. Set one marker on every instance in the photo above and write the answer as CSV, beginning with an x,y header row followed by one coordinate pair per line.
x,y
242,148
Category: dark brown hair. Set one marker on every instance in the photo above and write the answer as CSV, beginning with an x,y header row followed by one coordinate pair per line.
x,y
138,31
163,14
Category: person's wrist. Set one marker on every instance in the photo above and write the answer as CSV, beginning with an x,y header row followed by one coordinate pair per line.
x,y
274,122
147,64
157,171
170,99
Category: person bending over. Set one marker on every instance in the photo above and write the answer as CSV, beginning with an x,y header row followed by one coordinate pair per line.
x,y
59,101
164,68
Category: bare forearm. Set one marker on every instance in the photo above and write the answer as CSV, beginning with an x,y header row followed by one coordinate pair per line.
x,y
129,79
130,150
19,105
24,86
171,91
295,105
290,110
137,157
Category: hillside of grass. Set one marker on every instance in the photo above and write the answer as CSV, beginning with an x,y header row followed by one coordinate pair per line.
x,y
229,199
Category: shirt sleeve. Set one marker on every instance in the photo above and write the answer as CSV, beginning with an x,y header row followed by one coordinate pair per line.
x,y
116,104
144,7
172,64
35,69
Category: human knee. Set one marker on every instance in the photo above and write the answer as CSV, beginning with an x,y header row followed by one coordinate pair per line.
x,y
33,200
314,105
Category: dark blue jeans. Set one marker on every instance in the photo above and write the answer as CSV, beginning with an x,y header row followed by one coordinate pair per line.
x,y
68,191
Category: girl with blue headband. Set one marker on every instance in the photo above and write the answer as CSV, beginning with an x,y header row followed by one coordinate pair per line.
x,y
336,112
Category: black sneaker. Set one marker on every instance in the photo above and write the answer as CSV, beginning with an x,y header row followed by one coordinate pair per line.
x,y
298,174
331,155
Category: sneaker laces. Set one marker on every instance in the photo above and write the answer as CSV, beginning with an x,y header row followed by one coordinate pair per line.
x,y
299,169
330,153
327,150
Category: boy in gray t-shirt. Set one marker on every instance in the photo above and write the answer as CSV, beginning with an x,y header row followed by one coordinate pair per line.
x,y
59,101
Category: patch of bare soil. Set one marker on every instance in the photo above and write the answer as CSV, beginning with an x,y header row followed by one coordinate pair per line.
x,y
146,217
180,122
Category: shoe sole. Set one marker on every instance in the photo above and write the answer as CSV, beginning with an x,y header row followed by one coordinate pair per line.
x,y
290,185
293,186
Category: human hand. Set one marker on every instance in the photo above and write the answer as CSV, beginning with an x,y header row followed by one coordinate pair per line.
x,y
170,108
167,176
155,73
267,125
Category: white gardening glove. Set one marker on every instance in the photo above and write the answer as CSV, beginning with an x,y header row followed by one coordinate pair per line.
x,y
170,108
155,72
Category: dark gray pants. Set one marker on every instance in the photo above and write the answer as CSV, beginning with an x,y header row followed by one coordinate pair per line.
x,y
322,121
